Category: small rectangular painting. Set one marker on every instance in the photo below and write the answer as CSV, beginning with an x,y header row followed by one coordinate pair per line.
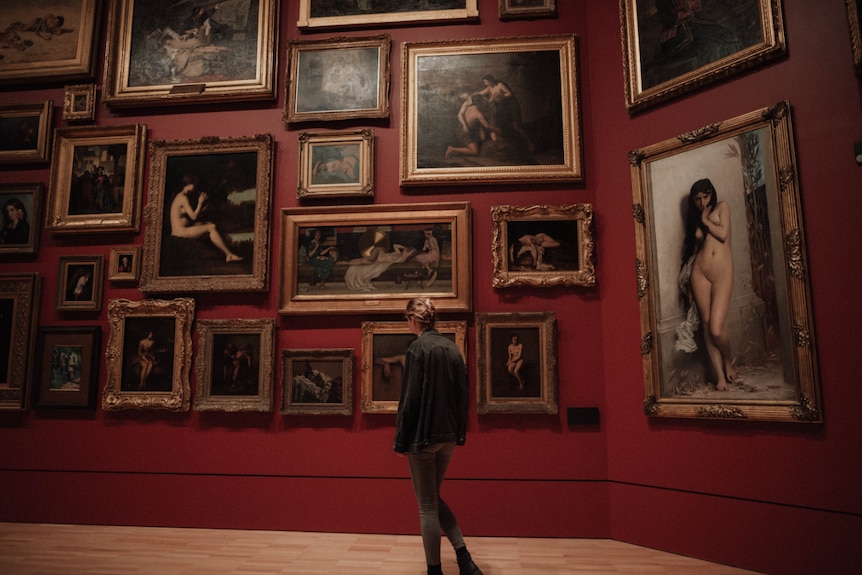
x,y
376,13
317,381
234,365
336,164
384,349
125,264
516,362
25,132
79,283
68,367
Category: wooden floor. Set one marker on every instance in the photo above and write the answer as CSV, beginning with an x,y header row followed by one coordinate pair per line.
x,y
38,549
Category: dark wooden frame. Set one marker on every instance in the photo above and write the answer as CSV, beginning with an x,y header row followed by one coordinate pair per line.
x,y
47,394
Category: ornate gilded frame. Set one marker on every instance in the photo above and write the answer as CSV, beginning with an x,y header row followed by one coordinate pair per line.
x,y
751,162
566,259
532,387
129,323
132,79
68,56
226,347
678,72
467,10
438,79
26,132
327,79
236,174
303,395
357,231
76,152
19,300
384,344
79,103
336,164
854,20
80,281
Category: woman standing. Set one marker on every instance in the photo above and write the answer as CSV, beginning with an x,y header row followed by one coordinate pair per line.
x,y
431,421
708,260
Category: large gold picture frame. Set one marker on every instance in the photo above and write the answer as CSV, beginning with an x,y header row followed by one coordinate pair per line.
x,y
516,362
766,348
149,354
373,259
97,174
19,301
26,132
156,56
207,215
234,365
492,110
384,345
337,79
669,51
543,246
322,14
317,381
54,46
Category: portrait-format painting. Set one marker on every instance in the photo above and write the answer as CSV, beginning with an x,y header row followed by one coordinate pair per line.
x,y
543,246
68,363
233,365
527,9
79,283
384,349
190,51
25,132
358,259
207,215
148,354
125,264
516,362
674,46
19,222
337,79
491,111
317,381
336,164
97,174
723,275
48,40
19,304
338,13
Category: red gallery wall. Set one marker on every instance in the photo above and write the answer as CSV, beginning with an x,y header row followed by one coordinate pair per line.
x,y
777,498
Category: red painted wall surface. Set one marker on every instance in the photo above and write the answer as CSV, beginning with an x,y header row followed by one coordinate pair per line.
x,y
778,498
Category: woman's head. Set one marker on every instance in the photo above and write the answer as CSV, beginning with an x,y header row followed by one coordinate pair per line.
x,y
702,195
14,210
422,311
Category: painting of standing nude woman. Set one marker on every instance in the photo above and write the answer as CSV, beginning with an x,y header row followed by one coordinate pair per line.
x,y
498,110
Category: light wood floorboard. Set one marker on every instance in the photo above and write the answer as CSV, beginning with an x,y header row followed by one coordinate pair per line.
x,y
52,549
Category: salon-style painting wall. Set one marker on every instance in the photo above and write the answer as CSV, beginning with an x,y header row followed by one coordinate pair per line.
x,y
771,497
